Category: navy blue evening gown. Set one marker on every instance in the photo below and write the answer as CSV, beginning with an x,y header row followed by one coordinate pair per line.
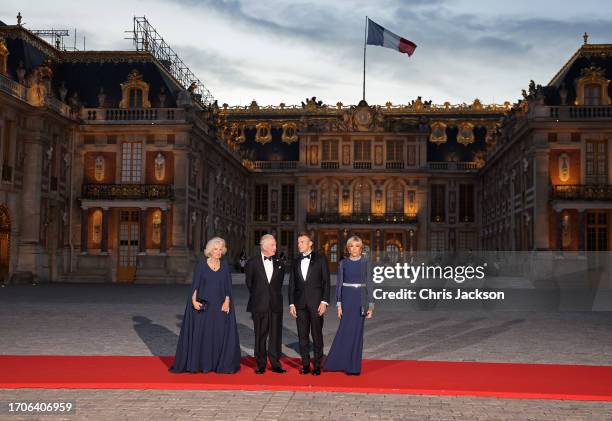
x,y
347,347
209,338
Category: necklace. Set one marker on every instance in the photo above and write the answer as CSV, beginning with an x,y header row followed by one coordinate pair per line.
x,y
214,264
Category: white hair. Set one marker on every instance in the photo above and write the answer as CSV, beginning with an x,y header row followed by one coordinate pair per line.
x,y
265,238
214,242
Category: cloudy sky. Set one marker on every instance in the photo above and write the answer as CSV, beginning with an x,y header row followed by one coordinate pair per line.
x,y
277,52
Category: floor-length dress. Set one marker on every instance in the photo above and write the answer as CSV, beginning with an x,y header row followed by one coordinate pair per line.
x,y
347,347
209,338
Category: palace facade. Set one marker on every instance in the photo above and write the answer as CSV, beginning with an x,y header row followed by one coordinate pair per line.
x,y
113,169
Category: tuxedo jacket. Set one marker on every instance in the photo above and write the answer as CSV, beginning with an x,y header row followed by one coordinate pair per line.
x,y
263,295
315,288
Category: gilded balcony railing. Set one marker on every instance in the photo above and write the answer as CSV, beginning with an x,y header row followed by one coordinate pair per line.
x,y
114,115
127,191
360,218
582,192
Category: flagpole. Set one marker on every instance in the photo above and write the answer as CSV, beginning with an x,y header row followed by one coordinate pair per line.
x,y
364,54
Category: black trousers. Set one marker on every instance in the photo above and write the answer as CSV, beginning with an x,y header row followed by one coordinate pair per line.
x,y
309,323
268,327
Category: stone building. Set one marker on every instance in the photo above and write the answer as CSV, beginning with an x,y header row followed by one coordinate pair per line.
x,y
115,166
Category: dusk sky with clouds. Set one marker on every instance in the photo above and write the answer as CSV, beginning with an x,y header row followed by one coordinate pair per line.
x,y
277,52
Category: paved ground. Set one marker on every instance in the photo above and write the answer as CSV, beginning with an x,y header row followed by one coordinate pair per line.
x,y
144,320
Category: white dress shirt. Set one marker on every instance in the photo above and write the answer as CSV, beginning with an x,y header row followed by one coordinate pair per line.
x,y
304,267
269,267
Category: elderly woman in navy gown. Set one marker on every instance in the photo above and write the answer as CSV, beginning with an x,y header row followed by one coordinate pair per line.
x,y
354,304
209,335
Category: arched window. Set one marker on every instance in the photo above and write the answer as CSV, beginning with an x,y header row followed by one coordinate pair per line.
x,y
333,253
393,252
395,198
362,197
329,198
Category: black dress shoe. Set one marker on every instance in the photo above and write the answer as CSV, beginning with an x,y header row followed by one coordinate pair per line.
x,y
260,371
280,370
316,372
304,370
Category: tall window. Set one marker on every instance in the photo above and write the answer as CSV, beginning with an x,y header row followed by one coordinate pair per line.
x,y
362,150
135,98
395,151
592,94
260,210
466,241
329,198
131,162
288,202
438,202
466,203
412,158
329,150
287,243
257,234
395,198
437,240
596,162
362,197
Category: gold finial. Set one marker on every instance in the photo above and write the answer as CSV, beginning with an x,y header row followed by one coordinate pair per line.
x,y
19,18
586,38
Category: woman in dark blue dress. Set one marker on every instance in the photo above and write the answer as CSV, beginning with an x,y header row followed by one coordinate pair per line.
x,y
355,303
209,334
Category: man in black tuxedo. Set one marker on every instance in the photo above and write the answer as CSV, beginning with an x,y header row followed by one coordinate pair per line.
x,y
308,299
264,279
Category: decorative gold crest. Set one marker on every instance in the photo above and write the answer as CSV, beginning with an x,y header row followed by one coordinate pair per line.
x,y
263,134
289,132
465,135
438,132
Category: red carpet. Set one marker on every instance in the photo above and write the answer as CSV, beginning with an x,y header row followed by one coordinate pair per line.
x,y
540,381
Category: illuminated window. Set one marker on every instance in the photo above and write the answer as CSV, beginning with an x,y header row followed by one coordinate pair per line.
x,y
97,226
156,237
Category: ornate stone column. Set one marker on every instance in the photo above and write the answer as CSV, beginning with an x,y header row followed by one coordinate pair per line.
x,y
142,229
104,245
163,244
29,221
84,220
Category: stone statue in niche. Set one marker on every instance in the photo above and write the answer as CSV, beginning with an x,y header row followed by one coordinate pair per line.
x,y
101,98
99,168
63,91
21,71
162,97
564,167
160,167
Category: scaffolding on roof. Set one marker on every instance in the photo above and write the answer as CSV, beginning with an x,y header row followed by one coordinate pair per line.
x,y
146,38
56,35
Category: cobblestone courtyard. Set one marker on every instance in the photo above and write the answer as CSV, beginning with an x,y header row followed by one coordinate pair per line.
x,y
105,319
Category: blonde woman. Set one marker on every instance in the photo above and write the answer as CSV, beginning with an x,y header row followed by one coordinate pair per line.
x,y
209,334
354,304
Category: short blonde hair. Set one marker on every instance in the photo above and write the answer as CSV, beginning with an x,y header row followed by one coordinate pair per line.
x,y
212,243
352,240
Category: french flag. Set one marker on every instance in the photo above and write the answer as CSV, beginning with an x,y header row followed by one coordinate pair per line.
x,y
377,35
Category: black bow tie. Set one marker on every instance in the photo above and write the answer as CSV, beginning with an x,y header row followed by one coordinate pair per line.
x,y
268,258
308,256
